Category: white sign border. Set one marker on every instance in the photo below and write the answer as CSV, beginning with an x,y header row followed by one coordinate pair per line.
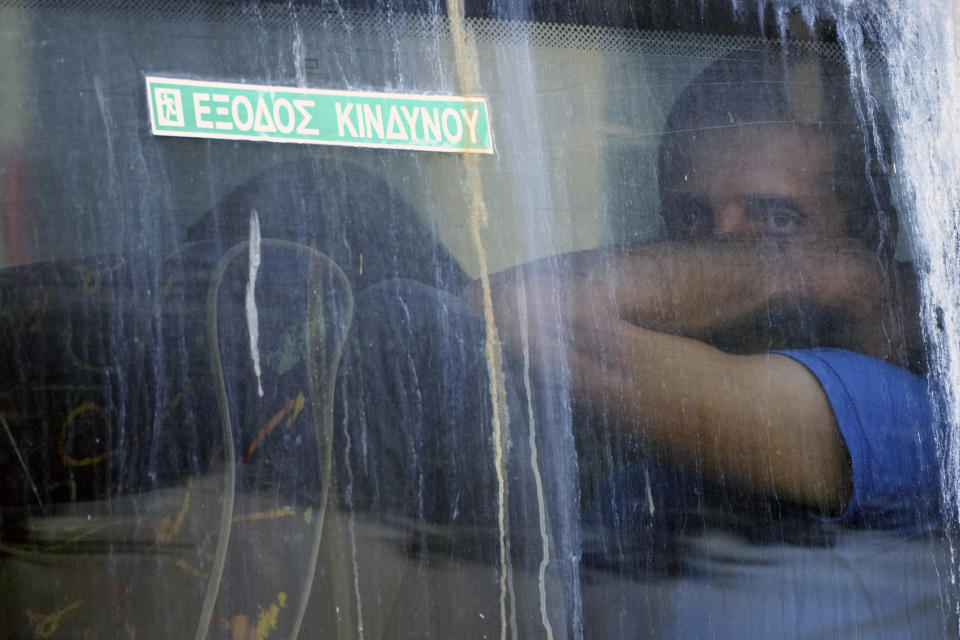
x,y
326,92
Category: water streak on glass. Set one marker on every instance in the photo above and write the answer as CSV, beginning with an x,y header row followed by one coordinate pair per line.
x,y
262,390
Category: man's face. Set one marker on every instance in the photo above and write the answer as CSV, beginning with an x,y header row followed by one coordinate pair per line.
x,y
752,182
756,181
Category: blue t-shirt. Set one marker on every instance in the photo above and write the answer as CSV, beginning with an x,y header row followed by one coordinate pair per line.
x,y
885,415
785,572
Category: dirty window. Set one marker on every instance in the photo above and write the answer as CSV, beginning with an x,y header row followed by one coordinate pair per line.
x,y
506,320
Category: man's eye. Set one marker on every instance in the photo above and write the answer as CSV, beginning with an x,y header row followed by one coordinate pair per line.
x,y
778,218
783,222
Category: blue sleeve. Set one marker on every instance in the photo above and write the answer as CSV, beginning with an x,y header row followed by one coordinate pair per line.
x,y
886,418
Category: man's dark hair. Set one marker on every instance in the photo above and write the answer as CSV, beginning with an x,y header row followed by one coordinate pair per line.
x,y
780,86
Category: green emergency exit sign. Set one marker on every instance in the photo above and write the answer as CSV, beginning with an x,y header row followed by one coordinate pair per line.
x,y
231,111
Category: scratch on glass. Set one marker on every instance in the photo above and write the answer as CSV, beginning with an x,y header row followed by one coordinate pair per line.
x,y
535,466
253,323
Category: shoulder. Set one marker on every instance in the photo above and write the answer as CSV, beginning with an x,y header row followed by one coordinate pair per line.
x,y
885,415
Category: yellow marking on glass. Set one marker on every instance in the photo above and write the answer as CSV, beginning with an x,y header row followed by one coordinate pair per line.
x,y
192,570
239,625
78,411
48,623
87,407
168,529
467,70
90,279
267,620
272,514
295,405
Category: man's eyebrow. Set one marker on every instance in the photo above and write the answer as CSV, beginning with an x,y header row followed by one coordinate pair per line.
x,y
770,201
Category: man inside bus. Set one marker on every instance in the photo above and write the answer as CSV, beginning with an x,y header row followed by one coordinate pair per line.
x,y
759,367
699,347
779,237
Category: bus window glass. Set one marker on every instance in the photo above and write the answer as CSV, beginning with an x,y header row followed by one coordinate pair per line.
x,y
399,319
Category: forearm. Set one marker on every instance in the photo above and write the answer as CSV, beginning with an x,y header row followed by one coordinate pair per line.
x,y
612,319
681,288
761,421
697,289
689,289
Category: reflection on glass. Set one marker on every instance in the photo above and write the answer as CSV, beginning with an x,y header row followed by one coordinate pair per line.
x,y
253,390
